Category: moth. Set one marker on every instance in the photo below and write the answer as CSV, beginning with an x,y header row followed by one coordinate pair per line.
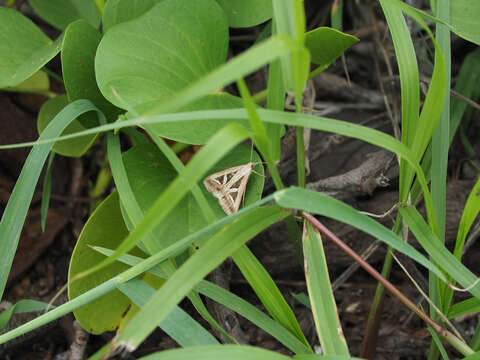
x,y
229,186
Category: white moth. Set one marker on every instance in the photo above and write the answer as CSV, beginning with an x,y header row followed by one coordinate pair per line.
x,y
229,186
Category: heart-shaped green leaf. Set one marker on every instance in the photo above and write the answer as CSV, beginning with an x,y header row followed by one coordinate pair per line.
x,y
104,228
60,13
161,52
24,48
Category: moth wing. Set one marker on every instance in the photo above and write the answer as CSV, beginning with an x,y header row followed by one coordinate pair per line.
x,y
240,193
227,204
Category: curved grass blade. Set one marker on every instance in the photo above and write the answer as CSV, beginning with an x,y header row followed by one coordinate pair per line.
x,y
267,291
466,307
323,205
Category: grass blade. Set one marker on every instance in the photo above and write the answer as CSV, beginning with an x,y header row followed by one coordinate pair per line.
x,y
324,309
180,326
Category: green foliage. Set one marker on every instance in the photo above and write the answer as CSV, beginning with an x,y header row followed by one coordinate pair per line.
x,y
60,13
26,49
147,59
160,65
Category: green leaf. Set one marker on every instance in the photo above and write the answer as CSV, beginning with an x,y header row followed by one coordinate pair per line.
x,y
37,83
150,173
60,13
230,352
409,82
25,48
180,326
162,51
324,309
105,227
21,306
16,210
464,15
267,291
74,147
118,11
465,307
78,69
246,13
194,269
326,45
317,203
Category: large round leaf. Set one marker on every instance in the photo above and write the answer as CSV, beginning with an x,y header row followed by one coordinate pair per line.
x,y
161,52
24,48
149,174
246,13
104,228
75,147
60,13
78,57
118,11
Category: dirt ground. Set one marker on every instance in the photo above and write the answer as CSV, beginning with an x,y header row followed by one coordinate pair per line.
x,y
41,263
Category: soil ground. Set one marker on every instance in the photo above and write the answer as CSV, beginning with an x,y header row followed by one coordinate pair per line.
x,y
41,263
